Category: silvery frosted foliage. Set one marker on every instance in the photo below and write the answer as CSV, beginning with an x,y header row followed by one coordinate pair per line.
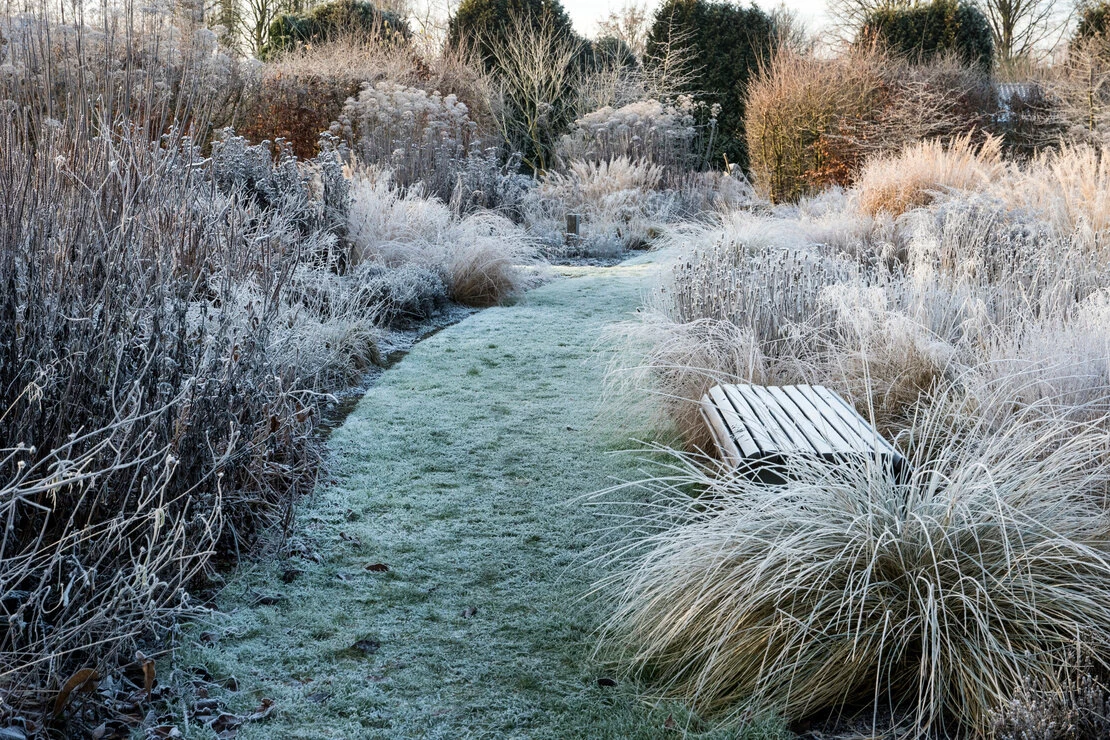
x,y
314,194
487,180
1079,709
622,203
662,133
419,136
159,71
401,295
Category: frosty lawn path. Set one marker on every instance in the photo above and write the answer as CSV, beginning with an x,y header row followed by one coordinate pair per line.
x,y
457,470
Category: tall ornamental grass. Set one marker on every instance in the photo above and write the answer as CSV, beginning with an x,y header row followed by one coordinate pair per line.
x,y
936,599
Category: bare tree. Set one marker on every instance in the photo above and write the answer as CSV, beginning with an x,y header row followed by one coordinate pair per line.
x,y
257,15
630,24
670,66
848,16
1024,28
791,30
535,80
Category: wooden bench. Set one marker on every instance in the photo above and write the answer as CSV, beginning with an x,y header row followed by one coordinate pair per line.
x,y
759,428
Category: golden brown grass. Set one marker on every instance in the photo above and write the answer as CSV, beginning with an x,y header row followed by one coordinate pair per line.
x,y
922,171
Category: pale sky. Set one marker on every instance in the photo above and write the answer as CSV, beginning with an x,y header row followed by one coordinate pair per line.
x,y
586,13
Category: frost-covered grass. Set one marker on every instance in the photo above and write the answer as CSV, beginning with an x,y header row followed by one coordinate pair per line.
x,y
479,259
462,470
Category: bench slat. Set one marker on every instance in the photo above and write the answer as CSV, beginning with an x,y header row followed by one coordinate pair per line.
x,y
767,424
806,404
845,429
783,418
866,432
720,432
740,434
750,406
817,439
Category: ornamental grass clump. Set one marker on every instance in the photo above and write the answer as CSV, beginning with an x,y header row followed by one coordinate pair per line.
x,y
926,169
478,259
935,600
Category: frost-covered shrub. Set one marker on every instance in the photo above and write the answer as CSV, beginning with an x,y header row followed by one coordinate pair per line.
x,y
314,194
405,294
420,137
665,134
1074,706
332,20
485,261
488,179
159,73
149,419
812,121
726,44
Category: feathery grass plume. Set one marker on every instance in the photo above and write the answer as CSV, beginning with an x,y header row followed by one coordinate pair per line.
x,y
390,225
937,598
1069,189
620,199
881,358
914,177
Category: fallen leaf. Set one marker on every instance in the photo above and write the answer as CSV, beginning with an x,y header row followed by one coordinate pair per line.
x,y
262,712
206,705
378,568
367,646
350,538
79,680
606,681
225,721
